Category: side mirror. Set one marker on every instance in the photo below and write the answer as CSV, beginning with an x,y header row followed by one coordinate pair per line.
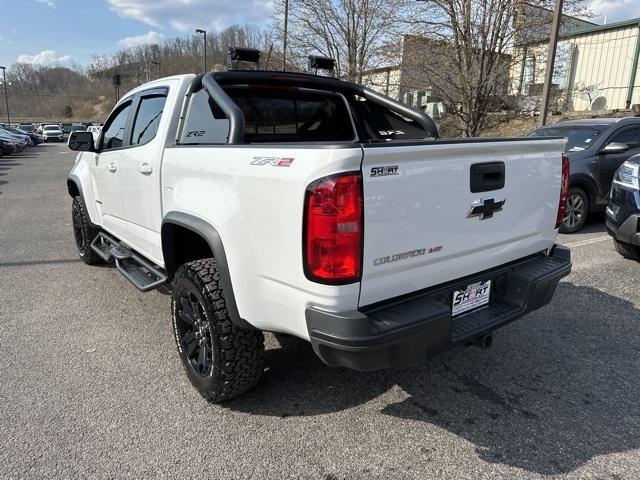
x,y
81,142
615,147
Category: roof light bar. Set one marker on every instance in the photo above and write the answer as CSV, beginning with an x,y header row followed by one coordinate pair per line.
x,y
236,55
321,63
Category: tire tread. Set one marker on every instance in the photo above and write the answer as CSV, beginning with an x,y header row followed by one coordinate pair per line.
x,y
240,352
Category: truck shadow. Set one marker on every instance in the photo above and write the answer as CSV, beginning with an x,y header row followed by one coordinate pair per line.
x,y
559,387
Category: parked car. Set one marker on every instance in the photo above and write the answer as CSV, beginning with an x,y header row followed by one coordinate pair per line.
x,y
52,133
596,148
33,138
623,211
317,208
77,128
95,131
20,140
7,146
66,127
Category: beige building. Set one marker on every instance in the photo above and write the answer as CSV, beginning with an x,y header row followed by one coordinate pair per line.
x,y
596,67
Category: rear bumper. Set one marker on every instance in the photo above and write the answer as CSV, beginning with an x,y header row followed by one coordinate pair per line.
x,y
403,332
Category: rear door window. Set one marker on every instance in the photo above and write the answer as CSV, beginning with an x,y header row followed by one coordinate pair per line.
x,y
147,119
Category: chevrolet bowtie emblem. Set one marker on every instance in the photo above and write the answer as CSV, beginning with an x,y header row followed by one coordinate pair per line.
x,y
486,207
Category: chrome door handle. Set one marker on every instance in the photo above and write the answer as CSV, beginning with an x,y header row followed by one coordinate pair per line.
x,y
145,168
112,167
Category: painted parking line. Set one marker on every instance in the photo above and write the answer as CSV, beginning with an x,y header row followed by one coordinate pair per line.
x,y
588,241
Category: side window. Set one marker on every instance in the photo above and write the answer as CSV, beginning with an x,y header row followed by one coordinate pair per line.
x,y
381,123
630,136
113,136
205,122
145,125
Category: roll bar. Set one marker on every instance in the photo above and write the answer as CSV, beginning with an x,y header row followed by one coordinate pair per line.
x,y
210,82
228,106
424,120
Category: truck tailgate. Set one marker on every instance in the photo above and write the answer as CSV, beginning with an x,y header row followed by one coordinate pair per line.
x,y
423,224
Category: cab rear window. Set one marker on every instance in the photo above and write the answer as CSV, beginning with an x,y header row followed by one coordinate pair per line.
x,y
271,115
293,116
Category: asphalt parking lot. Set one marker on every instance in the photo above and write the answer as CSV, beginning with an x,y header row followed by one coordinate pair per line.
x,y
91,384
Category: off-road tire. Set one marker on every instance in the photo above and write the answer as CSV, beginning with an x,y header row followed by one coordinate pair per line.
x,y
627,250
84,232
575,193
235,356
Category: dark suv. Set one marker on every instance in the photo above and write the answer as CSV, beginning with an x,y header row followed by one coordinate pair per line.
x,y
623,212
596,148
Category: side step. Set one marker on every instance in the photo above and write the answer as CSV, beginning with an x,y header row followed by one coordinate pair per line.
x,y
139,271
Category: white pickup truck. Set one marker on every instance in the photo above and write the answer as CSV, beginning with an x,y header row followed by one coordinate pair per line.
x,y
309,206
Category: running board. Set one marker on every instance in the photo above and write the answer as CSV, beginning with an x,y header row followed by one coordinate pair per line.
x,y
139,271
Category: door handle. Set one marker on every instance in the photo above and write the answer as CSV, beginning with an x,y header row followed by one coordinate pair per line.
x,y
112,167
145,168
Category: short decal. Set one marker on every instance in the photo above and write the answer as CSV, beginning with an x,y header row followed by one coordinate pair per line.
x,y
384,170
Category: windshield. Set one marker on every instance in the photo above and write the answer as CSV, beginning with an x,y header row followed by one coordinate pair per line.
x,y
51,127
78,128
26,128
578,138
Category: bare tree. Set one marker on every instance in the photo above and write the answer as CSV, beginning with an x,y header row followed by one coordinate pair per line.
x,y
350,31
468,55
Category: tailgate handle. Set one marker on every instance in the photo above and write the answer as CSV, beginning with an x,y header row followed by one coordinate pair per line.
x,y
486,177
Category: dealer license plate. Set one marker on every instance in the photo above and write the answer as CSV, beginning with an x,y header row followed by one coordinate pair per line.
x,y
474,296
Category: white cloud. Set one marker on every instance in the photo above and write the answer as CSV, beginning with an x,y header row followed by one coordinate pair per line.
x,y
615,10
186,15
151,37
48,3
48,58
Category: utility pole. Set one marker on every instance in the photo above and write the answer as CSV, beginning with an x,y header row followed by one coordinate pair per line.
x,y
6,93
551,60
204,33
284,42
153,62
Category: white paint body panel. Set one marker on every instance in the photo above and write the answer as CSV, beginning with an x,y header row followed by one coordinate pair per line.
x,y
258,211
426,205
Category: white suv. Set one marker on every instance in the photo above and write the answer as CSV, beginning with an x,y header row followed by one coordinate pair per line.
x,y
52,133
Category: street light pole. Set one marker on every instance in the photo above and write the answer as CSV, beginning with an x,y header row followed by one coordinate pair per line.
x,y
6,93
204,33
158,64
551,60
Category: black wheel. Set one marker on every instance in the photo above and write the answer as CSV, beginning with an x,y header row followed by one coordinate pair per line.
x,y
627,250
221,359
84,231
577,211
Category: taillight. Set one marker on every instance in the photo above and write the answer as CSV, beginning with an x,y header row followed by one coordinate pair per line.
x,y
564,191
333,229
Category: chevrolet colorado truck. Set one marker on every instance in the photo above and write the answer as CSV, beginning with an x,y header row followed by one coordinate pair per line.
x,y
309,206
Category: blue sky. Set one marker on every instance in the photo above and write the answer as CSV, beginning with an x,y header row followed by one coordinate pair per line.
x,y
74,30
66,32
